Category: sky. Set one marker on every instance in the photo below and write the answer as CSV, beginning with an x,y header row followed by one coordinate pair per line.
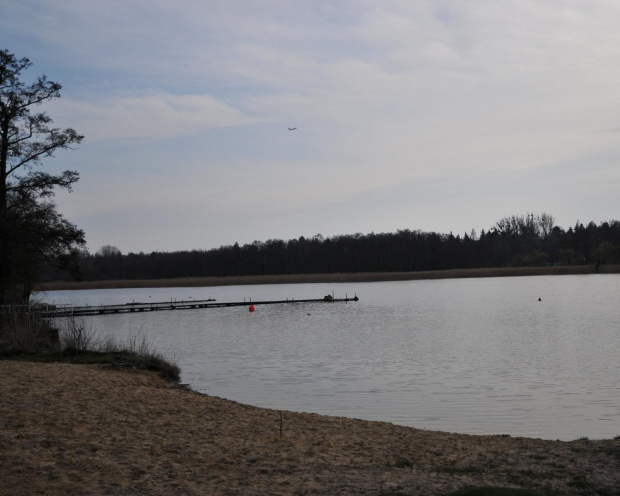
x,y
443,116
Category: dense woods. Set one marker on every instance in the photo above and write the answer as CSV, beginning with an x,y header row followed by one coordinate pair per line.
x,y
514,241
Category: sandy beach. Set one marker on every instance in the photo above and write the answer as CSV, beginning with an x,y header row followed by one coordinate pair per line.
x,y
75,429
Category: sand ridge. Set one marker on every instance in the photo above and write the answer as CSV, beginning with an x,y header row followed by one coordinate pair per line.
x,y
76,429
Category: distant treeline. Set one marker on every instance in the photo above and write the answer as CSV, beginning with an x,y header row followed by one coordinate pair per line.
x,y
515,241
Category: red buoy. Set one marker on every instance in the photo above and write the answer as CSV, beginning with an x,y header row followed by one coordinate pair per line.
x,y
251,308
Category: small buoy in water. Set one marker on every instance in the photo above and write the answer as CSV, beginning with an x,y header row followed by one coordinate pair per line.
x,y
539,299
251,308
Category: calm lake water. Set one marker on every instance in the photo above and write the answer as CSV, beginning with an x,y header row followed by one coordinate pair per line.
x,y
477,356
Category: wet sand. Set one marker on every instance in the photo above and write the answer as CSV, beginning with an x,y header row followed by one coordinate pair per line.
x,y
74,429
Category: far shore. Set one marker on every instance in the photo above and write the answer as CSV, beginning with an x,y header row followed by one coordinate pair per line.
x,y
330,278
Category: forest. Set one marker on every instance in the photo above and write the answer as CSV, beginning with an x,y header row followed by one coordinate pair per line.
x,y
514,241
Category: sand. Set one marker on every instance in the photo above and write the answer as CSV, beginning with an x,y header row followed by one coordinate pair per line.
x,y
73,429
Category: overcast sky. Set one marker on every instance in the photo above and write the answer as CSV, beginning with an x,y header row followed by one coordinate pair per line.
x,y
435,115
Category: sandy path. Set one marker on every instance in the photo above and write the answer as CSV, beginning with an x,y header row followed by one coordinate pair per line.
x,y
71,429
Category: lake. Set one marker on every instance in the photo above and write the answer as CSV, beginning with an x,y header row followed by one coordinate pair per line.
x,y
477,356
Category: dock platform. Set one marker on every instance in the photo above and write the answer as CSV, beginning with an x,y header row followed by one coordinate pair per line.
x,y
71,311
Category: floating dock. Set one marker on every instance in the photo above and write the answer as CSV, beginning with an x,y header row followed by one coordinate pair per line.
x,y
70,311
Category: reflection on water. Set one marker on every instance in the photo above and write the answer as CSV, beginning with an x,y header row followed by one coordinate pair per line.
x,y
472,355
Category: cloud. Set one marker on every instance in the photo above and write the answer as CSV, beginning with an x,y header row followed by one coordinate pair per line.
x,y
155,115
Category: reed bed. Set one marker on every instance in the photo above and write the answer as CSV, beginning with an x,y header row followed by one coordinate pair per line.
x,y
330,278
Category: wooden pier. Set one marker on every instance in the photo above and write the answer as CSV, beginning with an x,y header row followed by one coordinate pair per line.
x,y
70,311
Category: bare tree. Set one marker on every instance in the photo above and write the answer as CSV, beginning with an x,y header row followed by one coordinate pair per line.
x,y
547,223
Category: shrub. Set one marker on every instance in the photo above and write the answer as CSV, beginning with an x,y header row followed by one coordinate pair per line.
x,y
20,332
26,337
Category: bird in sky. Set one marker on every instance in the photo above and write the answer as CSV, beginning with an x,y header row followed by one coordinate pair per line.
x,y
292,128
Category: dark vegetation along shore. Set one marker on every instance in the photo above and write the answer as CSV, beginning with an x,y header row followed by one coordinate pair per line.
x,y
329,278
524,242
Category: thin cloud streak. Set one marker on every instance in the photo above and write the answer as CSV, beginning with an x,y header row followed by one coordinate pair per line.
x,y
150,117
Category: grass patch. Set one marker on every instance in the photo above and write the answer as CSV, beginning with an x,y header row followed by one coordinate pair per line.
x,y
401,463
612,451
122,359
454,470
584,439
579,481
23,337
533,474
500,491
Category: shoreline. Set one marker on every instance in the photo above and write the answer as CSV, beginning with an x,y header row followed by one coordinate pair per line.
x,y
330,278
76,429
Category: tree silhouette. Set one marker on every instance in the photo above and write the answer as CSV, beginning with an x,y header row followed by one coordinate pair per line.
x,y
31,230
